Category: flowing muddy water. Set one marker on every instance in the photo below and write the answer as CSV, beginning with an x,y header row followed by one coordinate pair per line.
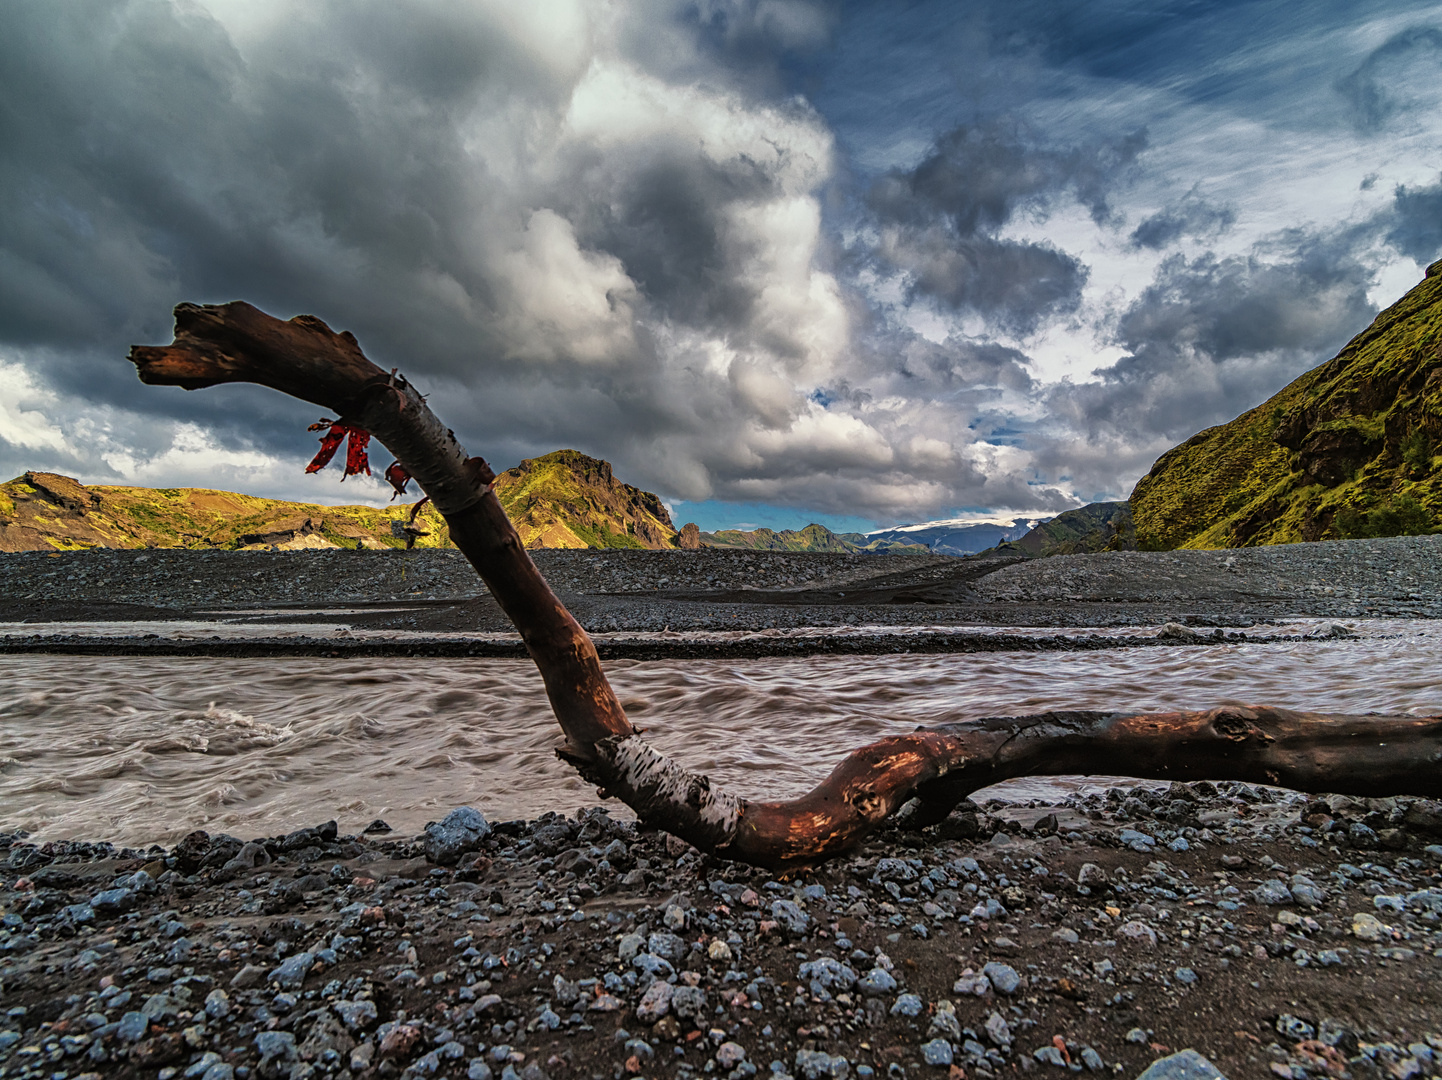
x,y
141,750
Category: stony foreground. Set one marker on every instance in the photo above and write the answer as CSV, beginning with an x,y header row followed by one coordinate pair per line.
x,y
1273,934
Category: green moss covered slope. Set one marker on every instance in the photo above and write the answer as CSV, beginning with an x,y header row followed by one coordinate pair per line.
x,y
1351,448
564,499
568,500
48,512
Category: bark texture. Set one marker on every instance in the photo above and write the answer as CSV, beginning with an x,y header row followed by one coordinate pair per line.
x,y
1365,755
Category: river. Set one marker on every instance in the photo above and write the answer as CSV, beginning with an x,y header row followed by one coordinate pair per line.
x,y
143,750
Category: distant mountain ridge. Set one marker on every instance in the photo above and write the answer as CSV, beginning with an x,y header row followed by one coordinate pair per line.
x,y
1349,449
957,537
813,537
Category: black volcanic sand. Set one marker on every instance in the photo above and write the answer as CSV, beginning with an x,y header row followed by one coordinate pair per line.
x,y
621,592
1275,935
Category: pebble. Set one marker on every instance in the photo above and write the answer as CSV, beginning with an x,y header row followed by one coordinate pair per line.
x,y
936,1052
1185,1065
1002,976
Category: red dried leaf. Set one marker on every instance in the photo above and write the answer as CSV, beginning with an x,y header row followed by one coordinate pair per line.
x,y
356,459
397,476
329,443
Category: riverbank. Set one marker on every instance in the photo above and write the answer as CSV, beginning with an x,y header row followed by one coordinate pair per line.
x,y
799,599
1263,929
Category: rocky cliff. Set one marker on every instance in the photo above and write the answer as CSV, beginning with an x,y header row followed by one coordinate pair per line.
x,y
1350,449
568,500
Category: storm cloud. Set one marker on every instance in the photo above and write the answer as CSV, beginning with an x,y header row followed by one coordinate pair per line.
x,y
881,264
939,221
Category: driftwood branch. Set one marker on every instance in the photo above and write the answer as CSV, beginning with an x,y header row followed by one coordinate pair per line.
x,y
1365,755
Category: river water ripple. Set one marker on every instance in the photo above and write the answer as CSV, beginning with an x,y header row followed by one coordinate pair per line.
x,y
142,750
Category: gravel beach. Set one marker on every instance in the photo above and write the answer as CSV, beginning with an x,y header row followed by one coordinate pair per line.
x,y
1271,933
713,590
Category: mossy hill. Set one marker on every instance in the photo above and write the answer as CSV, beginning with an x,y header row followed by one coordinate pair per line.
x,y
1105,526
568,500
1350,449
564,499
812,538
45,511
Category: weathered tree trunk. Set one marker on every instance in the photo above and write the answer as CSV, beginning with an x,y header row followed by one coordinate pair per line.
x,y
1366,755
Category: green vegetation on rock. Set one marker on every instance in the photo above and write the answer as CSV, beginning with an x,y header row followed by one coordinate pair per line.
x,y
812,538
565,499
1105,526
52,512
568,500
1349,449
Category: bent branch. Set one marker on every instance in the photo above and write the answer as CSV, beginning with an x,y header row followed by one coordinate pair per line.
x,y
1365,755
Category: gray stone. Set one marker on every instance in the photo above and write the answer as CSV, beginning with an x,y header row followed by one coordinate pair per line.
x,y
894,870
356,1014
217,1004
113,901
248,977
977,985
944,1022
1002,976
1185,1065
478,1070
688,1002
1138,932
1066,935
1091,874
936,1052
653,965
292,971
655,1002
132,1027
275,1048
790,915
1272,892
667,946
997,1029
459,832
1049,1055
1092,1060
1137,841
630,946
816,1064
730,1054
1361,836
827,974
1185,975
907,1005
877,981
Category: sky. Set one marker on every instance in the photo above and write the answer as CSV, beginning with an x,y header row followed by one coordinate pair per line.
x,y
778,261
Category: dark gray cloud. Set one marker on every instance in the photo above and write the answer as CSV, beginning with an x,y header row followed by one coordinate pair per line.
x,y
636,228
939,220
1189,217
1210,338
1416,228
1375,91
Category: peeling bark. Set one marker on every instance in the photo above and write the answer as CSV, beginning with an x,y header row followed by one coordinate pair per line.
x,y
1363,755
